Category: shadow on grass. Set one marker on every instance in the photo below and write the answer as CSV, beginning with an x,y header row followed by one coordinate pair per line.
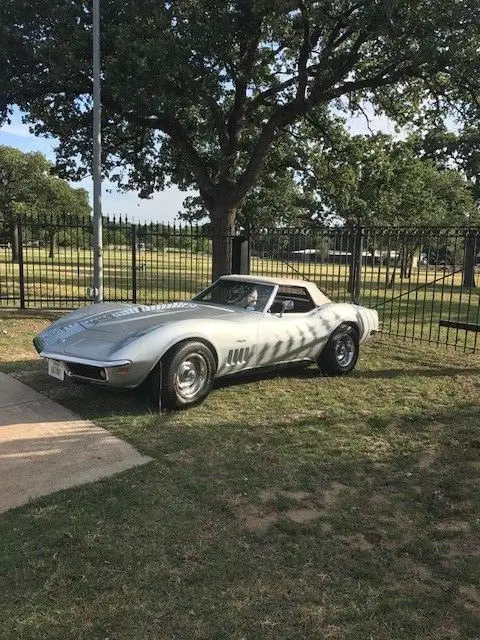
x,y
95,401
389,551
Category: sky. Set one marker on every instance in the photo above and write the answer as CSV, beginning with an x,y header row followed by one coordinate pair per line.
x,y
163,206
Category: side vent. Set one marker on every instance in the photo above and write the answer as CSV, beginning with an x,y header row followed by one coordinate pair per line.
x,y
238,356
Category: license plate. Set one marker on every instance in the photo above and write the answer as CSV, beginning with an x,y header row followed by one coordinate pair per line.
x,y
56,369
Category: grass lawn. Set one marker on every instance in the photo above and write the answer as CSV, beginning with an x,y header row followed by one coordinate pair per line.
x,y
287,507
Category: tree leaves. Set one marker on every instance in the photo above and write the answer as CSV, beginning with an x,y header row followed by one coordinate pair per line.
x,y
198,92
377,180
29,186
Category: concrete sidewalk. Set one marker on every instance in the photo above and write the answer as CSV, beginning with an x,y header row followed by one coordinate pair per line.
x,y
45,448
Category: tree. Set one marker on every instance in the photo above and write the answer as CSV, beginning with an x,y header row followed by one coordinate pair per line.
x,y
20,176
460,150
278,198
197,93
363,180
60,206
28,188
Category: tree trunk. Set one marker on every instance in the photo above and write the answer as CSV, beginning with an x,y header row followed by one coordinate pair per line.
x,y
471,246
52,244
391,282
404,264
410,266
14,241
222,231
413,258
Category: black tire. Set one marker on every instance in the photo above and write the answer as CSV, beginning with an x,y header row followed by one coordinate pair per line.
x,y
340,354
187,373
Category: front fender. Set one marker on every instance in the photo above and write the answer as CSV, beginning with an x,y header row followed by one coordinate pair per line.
x,y
145,351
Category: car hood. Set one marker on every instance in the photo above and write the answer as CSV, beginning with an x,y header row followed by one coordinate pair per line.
x,y
130,319
107,325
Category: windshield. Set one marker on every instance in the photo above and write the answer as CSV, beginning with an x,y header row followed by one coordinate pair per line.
x,y
232,293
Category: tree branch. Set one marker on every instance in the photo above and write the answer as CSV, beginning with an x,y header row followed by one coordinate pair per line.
x,y
269,93
288,113
174,130
237,111
257,158
303,56
344,63
381,79
336,37
218,119
309,43
282,116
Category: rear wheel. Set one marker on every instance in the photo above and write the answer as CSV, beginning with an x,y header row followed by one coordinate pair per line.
x,y
340,354
187,374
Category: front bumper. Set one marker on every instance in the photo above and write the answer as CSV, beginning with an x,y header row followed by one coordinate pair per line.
x,y
118,373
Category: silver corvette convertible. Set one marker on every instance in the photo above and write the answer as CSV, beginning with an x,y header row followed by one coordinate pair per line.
x,y
176,350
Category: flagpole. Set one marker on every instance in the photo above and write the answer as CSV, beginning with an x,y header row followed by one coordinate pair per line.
x,y
97,161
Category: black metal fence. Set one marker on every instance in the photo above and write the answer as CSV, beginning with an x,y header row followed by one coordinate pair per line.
x,y
423,281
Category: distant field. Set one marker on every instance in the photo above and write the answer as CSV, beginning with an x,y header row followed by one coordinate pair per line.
x,y
411,308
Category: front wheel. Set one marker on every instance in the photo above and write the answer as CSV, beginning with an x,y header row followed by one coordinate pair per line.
x,y
340,354
187,374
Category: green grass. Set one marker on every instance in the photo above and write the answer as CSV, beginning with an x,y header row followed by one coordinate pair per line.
x,y
293,507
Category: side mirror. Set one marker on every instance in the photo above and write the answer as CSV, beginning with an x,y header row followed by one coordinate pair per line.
x,y
287,305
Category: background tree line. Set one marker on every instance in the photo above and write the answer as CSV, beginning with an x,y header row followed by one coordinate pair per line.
x,y
29,188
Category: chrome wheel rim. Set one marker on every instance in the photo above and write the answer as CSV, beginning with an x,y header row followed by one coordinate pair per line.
x,y
191,376
345,350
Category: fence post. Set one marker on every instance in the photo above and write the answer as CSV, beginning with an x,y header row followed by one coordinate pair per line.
x,y
134,263
241,255
357,282
355,247
21,267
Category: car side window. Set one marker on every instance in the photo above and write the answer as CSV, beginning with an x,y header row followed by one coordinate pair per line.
x,y
302,301
250,296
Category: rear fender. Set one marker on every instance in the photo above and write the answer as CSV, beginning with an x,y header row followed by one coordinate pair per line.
x,y
364,320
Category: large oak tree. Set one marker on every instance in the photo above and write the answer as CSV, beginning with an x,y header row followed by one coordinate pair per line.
x,y
197,92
